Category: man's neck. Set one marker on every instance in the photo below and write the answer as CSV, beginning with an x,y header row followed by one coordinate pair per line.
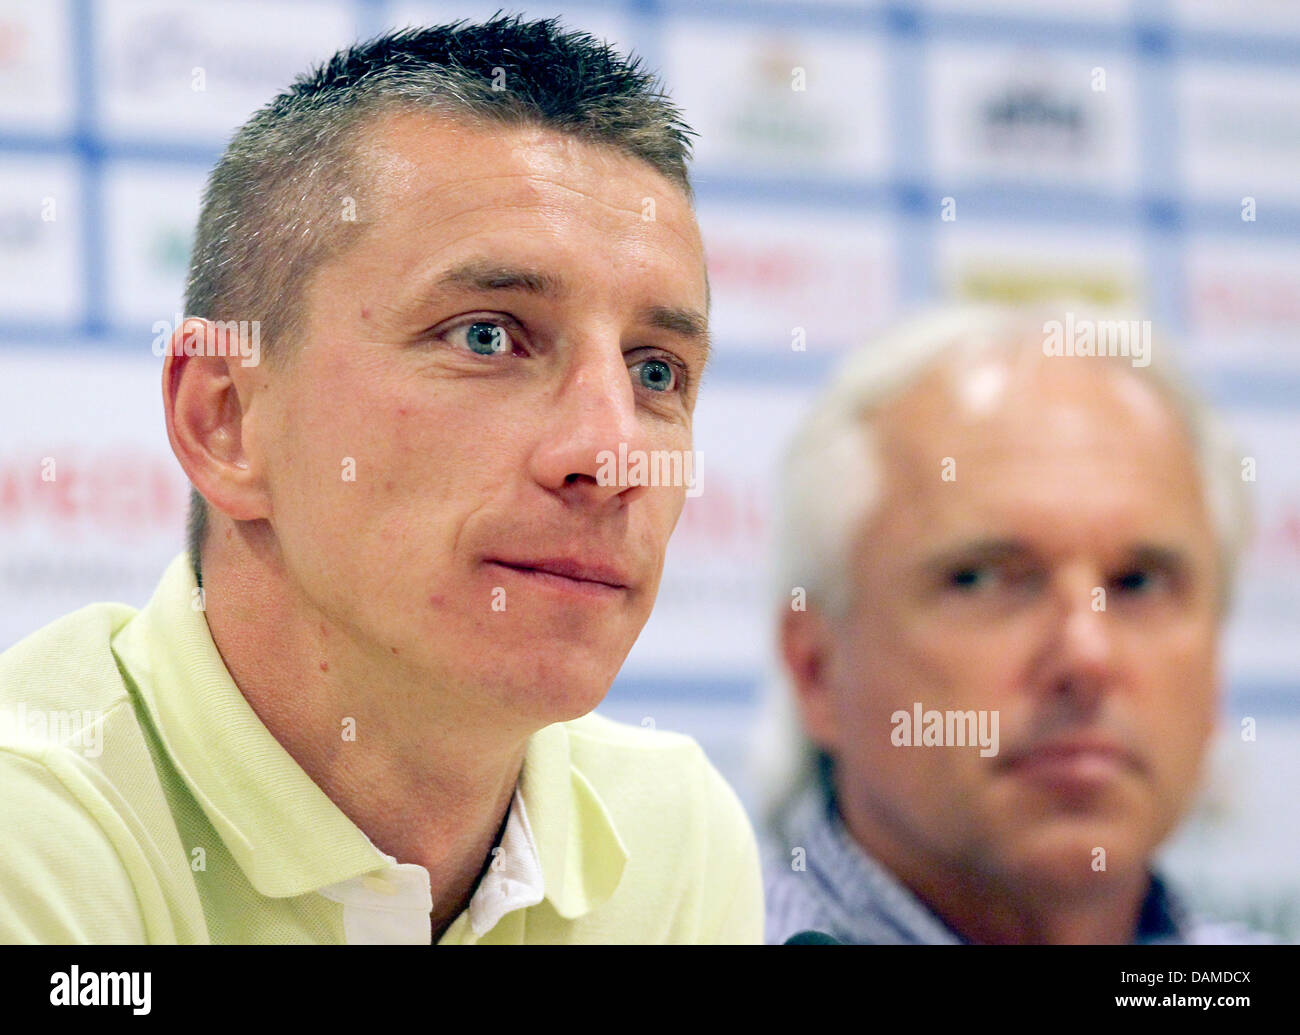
x,y
427,783
988,910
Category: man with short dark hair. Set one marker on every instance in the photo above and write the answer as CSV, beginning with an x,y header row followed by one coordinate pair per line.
x,y
358,710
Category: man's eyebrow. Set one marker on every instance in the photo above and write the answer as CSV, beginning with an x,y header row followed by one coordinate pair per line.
x,y
487,276
686,322
976,551
1172,559
984,551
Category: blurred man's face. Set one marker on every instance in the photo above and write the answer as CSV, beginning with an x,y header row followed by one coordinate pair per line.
x,y
984,592
520,302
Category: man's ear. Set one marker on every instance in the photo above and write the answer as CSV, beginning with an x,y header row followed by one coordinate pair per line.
x,y
205,400
806,643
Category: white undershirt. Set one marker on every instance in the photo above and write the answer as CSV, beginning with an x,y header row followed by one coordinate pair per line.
x,y
391,906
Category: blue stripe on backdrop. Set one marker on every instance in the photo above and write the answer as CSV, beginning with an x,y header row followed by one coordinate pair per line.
x,y
1245,49
826,17
95,299
917,206
1144,34
1256,699
1159,179
371,18
86,143
719,690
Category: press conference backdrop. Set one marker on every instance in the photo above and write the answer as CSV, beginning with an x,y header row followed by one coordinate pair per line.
x,y
856,161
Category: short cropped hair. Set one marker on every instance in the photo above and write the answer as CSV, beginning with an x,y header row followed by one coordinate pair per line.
x,y
274,206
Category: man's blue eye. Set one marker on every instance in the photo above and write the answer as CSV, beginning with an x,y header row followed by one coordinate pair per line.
x,y
487,339
657,375
1134,581
969,578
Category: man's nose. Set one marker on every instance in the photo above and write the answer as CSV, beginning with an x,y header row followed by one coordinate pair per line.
x,y
1081,652
594,420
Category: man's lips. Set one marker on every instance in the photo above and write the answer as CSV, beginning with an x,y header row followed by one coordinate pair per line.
x,y
1079,756
593,575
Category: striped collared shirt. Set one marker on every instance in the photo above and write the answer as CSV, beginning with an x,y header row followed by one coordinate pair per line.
x,y
819,879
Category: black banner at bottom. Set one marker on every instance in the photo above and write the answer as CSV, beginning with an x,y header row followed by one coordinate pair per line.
x,y
615,985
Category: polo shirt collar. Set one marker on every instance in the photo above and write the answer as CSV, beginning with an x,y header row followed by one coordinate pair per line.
x,y
581,853
281,828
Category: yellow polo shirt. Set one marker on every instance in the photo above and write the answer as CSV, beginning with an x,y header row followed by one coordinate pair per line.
x,y
142,800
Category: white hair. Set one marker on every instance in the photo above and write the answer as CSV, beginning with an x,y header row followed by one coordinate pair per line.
x,y
830,480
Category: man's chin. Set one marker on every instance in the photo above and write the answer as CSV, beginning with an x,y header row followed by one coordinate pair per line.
x,y
552,690
1079,852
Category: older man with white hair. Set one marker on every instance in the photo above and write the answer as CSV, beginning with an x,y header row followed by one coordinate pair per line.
x,y
1003,568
